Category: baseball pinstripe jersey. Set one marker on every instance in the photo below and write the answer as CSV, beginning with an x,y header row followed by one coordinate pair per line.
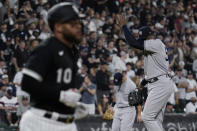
x,y
156,59
123,92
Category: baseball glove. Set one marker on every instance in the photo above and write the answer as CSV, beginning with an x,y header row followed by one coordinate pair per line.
x,y
108,115
136,97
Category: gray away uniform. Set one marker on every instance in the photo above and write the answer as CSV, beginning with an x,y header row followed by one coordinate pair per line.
x,y
124,115
156,65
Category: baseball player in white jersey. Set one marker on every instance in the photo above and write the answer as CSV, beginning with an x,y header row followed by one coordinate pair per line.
x,y
124,115
156,66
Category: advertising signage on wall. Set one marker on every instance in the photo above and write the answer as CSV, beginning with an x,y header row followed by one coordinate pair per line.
x,y
171,123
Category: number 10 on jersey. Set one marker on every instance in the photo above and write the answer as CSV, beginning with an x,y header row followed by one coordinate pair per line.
x,y
64,75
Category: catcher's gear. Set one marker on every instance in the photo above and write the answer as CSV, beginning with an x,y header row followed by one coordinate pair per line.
x,y
137,97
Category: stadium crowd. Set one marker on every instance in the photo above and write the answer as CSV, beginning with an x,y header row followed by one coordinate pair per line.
x,y
103,49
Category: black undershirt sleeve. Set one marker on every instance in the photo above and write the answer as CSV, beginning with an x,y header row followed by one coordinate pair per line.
x,y
138,44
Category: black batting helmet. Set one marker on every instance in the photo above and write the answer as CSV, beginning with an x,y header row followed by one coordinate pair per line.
x,y
61,13
118,79
144,32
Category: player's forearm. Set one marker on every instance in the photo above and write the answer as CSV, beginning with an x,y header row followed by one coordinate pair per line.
x,y
139,109
131,40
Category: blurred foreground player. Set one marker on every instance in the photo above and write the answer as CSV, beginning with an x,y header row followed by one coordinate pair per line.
x,y
50,73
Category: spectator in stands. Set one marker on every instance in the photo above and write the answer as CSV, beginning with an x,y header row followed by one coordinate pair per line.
x,y
182,85
93,75
182,66
92,60
88,91
130,72
103,104
45,33
3,67
33,44
111,49
5,79
23,106
9,105
173,101
81,76
20,56
192,88
100,50
102,81
191,107
2,90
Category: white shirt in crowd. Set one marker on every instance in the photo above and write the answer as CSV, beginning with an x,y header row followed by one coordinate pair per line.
x,y
17,80
116,63
191,108
181,91
131,60
130,74
171,100
4,101
192,84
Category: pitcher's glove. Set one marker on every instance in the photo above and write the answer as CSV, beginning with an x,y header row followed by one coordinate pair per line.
x,y
135,97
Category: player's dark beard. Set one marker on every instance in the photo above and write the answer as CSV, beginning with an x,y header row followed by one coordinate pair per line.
x,y
71,38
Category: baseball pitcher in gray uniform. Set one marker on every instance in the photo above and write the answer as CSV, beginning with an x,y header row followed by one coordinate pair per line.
x,y
124,115
156,65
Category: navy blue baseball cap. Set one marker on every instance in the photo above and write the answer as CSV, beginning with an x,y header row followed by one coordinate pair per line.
x,y
9,90
118,79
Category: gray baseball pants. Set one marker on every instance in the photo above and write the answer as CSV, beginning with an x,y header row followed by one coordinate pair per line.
x,y
158,95
123,119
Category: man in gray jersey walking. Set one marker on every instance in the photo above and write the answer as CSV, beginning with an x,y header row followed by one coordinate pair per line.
x,y
156,67
124,115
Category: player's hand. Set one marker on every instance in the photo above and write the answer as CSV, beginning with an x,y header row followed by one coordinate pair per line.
x,y
121,20
70,97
